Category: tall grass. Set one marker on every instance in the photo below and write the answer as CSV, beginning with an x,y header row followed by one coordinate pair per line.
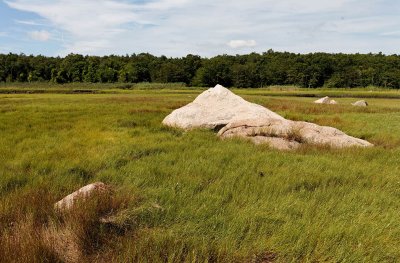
x,y
188,196
179,88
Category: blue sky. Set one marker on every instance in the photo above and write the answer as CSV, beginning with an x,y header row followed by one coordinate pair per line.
x,y
206,27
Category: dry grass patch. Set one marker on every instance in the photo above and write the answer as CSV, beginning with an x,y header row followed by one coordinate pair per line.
x,y
132,99
141,111
32,231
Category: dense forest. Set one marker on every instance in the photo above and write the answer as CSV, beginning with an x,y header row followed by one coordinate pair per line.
x,y
243,71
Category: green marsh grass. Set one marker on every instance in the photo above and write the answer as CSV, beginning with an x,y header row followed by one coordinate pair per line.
x,y
188,196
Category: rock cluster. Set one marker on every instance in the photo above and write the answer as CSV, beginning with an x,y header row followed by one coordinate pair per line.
x,y
219,109
327,100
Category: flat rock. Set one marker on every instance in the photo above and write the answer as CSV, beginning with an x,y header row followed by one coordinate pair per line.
x,y
215,108
68,202
360,103
287,135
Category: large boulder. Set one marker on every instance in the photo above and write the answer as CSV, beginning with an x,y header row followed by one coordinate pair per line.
x,y
215,108
286,134
360,103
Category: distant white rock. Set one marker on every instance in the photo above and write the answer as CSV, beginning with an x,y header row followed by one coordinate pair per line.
x,y
216,107
325,100
360,103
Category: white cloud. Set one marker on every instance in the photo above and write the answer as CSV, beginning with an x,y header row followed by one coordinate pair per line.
x,y
3,34
41,35
242,43
161,4
87,26
391,33
30,23
178,27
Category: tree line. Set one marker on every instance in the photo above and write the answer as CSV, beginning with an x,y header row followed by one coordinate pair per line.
x,y
243,71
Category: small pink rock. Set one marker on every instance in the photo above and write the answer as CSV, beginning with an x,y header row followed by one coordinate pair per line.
x,y
67,202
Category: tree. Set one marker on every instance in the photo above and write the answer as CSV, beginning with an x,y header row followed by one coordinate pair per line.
x,y
172,72
217,71
72,68
191,63
252,70
245,76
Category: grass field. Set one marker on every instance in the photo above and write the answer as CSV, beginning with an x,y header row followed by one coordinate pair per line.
x,y
188,196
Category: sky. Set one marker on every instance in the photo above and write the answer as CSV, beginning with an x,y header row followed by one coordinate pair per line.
x,y
176,28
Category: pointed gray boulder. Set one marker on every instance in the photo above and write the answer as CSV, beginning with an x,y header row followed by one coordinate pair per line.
x,y
216,107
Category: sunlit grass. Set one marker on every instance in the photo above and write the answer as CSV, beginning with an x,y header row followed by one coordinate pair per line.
x,y
193,197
